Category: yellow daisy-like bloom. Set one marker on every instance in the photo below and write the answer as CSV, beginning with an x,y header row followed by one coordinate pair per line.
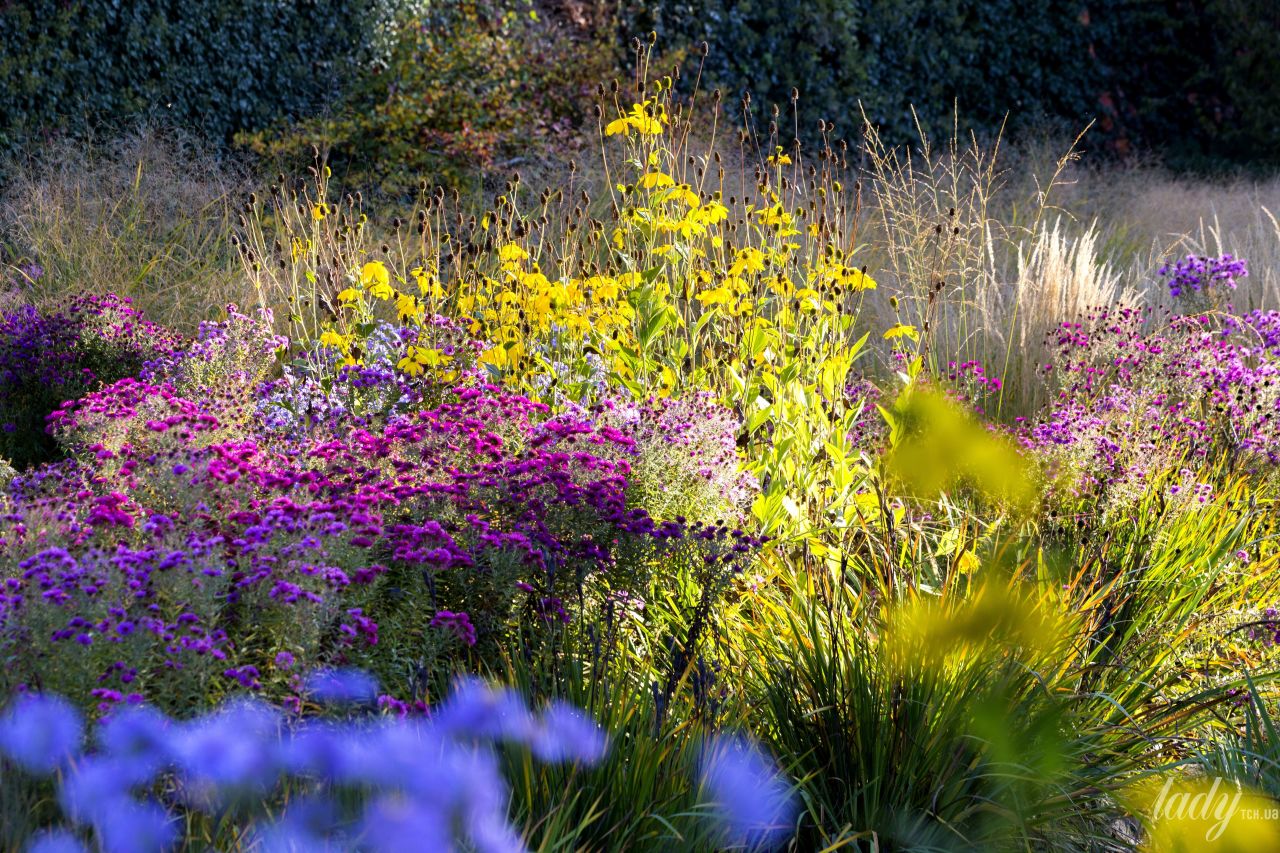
x,y
901,330
407,306
511,253
410,366
374,274
335,340
656,179
319,211
638,120
716,296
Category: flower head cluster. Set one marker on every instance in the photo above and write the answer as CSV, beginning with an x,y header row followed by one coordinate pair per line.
x,y
1196,273
682,453
139,560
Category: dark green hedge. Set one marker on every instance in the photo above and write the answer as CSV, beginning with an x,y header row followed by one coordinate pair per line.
x,y
216,65
1195,78
1192,77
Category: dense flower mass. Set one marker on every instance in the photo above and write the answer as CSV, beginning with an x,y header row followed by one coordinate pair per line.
x,y
1140,391
49,357
721,509
179,514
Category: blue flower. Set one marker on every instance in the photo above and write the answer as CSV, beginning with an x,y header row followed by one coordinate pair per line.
x,y
93,790
476,710
394,822
136,740
135,827
59,841
308,823
231,749
40,733
341,686
754,801
565,733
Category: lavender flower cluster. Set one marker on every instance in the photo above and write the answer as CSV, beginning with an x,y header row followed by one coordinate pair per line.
x,y
682,453
312,395
1197,273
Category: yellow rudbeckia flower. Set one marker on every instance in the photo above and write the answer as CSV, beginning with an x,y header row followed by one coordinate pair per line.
x,y
901,330
377,279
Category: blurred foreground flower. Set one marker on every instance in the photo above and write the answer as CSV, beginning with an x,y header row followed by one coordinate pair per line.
x,y
1206,815
936,448
755,804
428,783
40,733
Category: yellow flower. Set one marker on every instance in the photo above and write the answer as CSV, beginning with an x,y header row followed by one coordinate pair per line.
x,y
512,252
335,340
688,196
710,213
901,330
373,274
656,179
640,120
427,285
319,211
349,295
410,366
602,288
749,260
716,296
431,357
407,306
858,280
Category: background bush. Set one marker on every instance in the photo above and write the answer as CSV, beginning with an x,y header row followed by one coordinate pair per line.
x,y
217,65
464,87
1187,77
451,87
